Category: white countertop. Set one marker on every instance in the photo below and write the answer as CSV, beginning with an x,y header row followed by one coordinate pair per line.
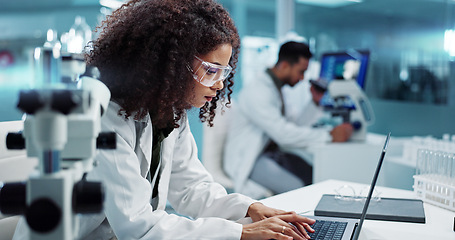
x,y
439,222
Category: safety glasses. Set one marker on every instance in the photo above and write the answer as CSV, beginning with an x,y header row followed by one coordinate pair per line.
x,y
208,74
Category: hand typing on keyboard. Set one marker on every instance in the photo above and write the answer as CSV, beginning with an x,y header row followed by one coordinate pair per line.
x,y
270,223
331,230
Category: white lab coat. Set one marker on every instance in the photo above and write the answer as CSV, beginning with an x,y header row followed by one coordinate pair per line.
x,y
256,119
184,183
300,107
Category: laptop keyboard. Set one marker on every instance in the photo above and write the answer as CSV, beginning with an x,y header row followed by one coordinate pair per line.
x,y
329,230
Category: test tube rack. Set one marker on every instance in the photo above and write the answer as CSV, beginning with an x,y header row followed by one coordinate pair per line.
x,y
435,192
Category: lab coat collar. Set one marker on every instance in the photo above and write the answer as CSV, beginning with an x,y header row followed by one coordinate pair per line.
x,y
118,106
145,136
278,83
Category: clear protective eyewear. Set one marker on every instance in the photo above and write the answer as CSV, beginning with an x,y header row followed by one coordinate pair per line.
x,y
208,74
348,193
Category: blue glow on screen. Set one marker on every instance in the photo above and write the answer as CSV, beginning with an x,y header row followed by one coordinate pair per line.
x,y
332,65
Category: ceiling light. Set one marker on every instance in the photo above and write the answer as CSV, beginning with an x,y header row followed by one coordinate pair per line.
x,y
329,3
112,4
449,42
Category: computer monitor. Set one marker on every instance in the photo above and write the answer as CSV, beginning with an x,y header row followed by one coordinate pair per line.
x,y
350,64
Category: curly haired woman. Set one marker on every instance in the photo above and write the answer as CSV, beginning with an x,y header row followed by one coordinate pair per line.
x,y
160,58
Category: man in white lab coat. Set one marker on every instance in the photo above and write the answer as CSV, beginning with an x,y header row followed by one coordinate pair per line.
x,y
261,138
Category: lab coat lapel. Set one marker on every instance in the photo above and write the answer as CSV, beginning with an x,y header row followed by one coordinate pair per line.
x,y
145,145
167,152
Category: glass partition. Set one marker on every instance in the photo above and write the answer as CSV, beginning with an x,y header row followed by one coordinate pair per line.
x,y
411,43
409,59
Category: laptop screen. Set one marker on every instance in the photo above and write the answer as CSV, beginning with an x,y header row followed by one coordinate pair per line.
x,y
373,184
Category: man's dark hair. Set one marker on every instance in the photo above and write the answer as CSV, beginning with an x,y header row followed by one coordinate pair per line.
x,y
292,51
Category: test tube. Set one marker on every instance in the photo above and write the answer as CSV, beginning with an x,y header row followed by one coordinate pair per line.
x,y
428,166
447,167
434,165
440,166
420,168
452,169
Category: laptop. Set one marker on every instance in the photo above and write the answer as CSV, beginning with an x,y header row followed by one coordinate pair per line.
x,y
336,228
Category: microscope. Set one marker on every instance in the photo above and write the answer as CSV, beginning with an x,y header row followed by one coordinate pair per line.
x,y
351,104
62,128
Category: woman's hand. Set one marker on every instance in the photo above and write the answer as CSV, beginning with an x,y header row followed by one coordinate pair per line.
x,y
284,226
258,211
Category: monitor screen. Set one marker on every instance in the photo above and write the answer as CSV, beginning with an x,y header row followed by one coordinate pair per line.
x,y
351,64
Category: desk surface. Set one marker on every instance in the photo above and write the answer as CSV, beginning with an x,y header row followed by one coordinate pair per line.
x,y
359,159
439,222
